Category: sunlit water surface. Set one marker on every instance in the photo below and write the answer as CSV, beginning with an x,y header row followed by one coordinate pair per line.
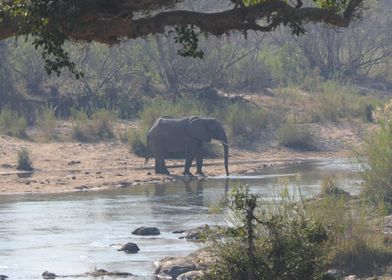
x,y
73,233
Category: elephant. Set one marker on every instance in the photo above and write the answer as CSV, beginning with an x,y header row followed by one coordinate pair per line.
x,y
187,135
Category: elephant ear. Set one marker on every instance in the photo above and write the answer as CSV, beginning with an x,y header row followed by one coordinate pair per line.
x,y
198,129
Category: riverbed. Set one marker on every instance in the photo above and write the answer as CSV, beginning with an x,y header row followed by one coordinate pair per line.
x,y
74,232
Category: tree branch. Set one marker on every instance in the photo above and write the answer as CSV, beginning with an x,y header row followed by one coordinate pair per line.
x,y
111,28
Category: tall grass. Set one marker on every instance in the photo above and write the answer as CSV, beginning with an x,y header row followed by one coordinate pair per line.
x,y
244,123
47,123
11,124
294,239
334,102
282,242
375,158
99,127
296,136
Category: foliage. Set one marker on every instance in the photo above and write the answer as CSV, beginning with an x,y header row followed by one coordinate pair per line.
x,y
100,127
376,161
137,142
335,102
356,238
11,124
296,136
47,123
24,160
284,243
244,123
52,23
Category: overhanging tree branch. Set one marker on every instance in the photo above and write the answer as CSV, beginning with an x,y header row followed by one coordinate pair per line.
x,y
111,28
53,22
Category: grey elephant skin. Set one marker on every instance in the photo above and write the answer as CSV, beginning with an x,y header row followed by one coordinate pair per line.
x,y
187,135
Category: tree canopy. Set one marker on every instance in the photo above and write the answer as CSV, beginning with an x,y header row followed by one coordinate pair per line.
x,y
51,23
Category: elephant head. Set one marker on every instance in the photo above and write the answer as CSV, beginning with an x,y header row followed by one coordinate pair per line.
x,y
206,129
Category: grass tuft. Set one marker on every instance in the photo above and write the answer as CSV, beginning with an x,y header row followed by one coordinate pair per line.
x,y
24,160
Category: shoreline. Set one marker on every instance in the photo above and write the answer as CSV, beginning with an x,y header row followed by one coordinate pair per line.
x,y
33,183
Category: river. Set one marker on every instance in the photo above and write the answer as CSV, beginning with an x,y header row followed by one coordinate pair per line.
x,y
73,233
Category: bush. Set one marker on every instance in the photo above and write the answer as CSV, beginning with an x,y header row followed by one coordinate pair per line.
x,y
137,142
376,161
283,243
356,238
24,161
296,136
244,123
100,127
334,102
46,123
11,124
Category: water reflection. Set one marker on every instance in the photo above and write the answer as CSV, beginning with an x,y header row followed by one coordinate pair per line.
x,y
72,233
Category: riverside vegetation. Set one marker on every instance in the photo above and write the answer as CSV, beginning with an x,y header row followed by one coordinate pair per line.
x,y
269,89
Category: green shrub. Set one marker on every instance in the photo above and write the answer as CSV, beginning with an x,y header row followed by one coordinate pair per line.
x,y
46,123
356,239
375,158
11,124
376,161
334,102
296,136
100,127
282,243
24,160
244,123
137,142
103,124
79,125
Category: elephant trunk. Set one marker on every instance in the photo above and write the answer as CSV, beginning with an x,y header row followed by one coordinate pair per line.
x,y
226,154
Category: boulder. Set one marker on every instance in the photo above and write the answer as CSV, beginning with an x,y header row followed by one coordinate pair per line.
x,y
146,231
184,267
3,277
130,248
49,275
174,267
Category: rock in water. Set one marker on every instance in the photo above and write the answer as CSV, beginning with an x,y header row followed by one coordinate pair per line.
x,y
146,231
130,248
49,275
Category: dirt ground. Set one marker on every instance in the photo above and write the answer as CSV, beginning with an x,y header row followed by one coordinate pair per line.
x,y
68,166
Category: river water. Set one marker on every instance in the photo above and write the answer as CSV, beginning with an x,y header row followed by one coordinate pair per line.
x,y
73,233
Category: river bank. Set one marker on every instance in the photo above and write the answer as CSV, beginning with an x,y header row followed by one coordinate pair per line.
x,y
68,166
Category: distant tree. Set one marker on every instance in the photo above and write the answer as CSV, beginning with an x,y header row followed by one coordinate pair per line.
x,y
352,51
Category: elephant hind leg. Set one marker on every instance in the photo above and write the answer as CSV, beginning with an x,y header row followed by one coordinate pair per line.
x,y
160,167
